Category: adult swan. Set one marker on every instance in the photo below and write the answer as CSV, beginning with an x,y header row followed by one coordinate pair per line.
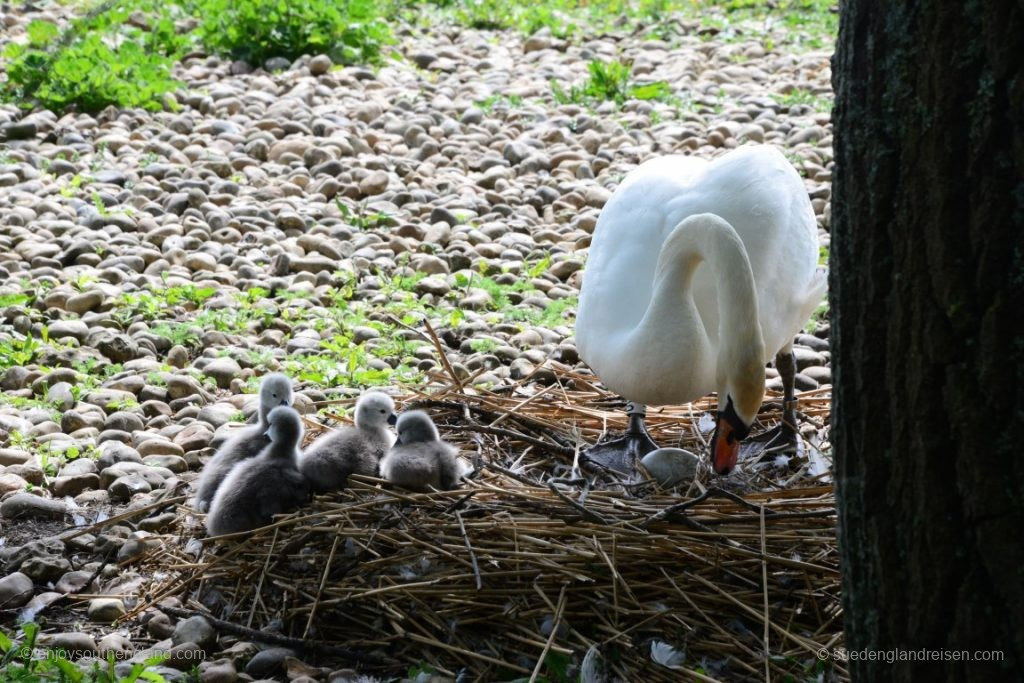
x,y
698,274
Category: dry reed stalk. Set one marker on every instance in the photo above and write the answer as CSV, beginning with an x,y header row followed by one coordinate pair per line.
x,y
464,579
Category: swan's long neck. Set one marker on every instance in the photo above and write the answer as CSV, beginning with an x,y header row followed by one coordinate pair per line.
x,y
736,363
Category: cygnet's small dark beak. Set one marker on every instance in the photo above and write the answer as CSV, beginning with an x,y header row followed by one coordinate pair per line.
x,y
398,441
392,419
284,401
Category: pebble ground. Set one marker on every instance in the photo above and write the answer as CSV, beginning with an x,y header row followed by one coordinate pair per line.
x,y
154,265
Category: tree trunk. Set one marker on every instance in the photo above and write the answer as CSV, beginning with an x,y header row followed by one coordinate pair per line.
x,y
927,299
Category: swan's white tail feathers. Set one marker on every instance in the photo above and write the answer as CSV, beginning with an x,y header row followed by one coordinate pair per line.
x,y
819,283
816,292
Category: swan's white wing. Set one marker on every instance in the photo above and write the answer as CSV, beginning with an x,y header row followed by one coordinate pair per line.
x,y
755,189
623,256
761,195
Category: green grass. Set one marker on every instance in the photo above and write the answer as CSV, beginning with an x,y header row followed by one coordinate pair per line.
x,y
800,24
553,315
98,61
50,460
800,96
179,334
350,31
564,18
22,403
19,351
483,345
345,365
361,219
99,58
14,299
70,189
153,302
818,318
400,283
182,313
609,81
488,104
340,362
22,663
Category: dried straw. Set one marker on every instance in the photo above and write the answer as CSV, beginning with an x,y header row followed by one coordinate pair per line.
x,y
530,563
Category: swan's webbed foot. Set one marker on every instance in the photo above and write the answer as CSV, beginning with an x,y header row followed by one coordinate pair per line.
x,y
782,438
622,455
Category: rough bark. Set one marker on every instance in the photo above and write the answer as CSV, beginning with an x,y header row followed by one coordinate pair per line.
x,y
926,292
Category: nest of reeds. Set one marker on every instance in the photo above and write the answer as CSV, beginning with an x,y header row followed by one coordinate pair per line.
x,y
532,570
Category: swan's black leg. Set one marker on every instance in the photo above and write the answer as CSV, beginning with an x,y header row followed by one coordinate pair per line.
x,y
622,454
785,363
784,436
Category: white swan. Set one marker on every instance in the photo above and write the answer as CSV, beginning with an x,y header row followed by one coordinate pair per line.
x,y
698,274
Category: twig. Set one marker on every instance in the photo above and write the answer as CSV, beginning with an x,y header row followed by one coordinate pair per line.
x,y
472,555
498,431
423,576
764,584
676,509
589,514
525,420
460,502
323,580
555,623
509,473
103,565
575,481
314,646
514,409
442,356
74,533
263,574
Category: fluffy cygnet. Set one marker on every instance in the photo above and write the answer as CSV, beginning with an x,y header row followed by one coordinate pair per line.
x,y
419,459
329,460
261,487
275,390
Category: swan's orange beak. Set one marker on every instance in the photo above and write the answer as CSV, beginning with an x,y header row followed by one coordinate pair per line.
x,y
725,447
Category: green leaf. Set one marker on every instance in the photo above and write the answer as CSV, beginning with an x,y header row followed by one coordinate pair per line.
x,y
41,32
156,660
31,630
13,50
651,91
70,672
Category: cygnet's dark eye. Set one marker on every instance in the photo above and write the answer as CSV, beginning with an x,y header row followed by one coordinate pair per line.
x,y
382,412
